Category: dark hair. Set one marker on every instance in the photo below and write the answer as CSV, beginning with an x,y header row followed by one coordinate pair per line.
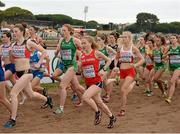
x,y
163,40
175,35
151,40
24,24
35,28
8,34
115,34
103,37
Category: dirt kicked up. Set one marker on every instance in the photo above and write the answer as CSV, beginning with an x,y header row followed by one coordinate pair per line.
x,y
144,114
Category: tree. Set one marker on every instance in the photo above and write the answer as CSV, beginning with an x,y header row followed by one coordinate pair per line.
x,y
59,19
146,21
92,24
133,28
78,22
17,13
2,4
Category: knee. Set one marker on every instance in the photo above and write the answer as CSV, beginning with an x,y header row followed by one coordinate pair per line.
x,y
31,95
172,81
13,95
61,86
123,92
85,98
2,99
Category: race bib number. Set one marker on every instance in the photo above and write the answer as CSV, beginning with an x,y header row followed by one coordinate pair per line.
x,y
88,71
157,58
5,52
66,54
148,60
18,51
174,59
126,57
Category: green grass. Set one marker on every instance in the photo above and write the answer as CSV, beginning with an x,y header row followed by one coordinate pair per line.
x,y
50,86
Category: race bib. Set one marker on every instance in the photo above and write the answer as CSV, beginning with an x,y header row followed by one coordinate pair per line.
x,y
174,59
5,52
157,58
89,72
148,60
18,51
66,54
126,57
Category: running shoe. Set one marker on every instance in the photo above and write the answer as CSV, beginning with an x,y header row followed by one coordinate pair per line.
x,y
58,111
74,97
111,121
48,103
168,100
98,116
10,123
45,92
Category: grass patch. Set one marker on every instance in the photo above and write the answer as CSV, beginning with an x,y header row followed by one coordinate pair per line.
x,y
50,86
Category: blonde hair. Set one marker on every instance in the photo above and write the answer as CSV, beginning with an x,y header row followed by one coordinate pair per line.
x,y
91,40
129,35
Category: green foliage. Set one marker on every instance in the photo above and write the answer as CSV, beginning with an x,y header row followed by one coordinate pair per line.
x,y
56,18
173,27
92,24
2,4
16,13
146,21
78,22
133,28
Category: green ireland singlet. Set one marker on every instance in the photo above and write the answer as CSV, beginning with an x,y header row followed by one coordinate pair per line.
x,y
157,54
174,58
102,62
68,54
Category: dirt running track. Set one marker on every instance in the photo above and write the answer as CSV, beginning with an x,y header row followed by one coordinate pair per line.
x,y
145,114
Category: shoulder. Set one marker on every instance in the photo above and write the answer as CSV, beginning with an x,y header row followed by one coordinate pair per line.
x,y
135,48
76,40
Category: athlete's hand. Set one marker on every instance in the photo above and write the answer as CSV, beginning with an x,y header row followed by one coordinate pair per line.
x,y
116,69
101,72
37,65
133,65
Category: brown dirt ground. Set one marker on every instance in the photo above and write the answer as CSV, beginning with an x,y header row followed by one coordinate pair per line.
x,y
144,114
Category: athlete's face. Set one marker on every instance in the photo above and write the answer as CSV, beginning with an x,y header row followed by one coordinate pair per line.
x,y
158,41
99,41
125,39
65,32
112,40
32,31
17,33
173,39
141,40
149,44
5,39
85,44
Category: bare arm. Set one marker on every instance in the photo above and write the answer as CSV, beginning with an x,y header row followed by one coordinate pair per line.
x,y
32,45
109,49
77,43
141,58
100,55
58,48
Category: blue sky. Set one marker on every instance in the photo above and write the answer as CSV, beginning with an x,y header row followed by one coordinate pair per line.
x,y
103,11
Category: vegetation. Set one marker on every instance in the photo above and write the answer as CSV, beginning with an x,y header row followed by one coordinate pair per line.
x,y
145,21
